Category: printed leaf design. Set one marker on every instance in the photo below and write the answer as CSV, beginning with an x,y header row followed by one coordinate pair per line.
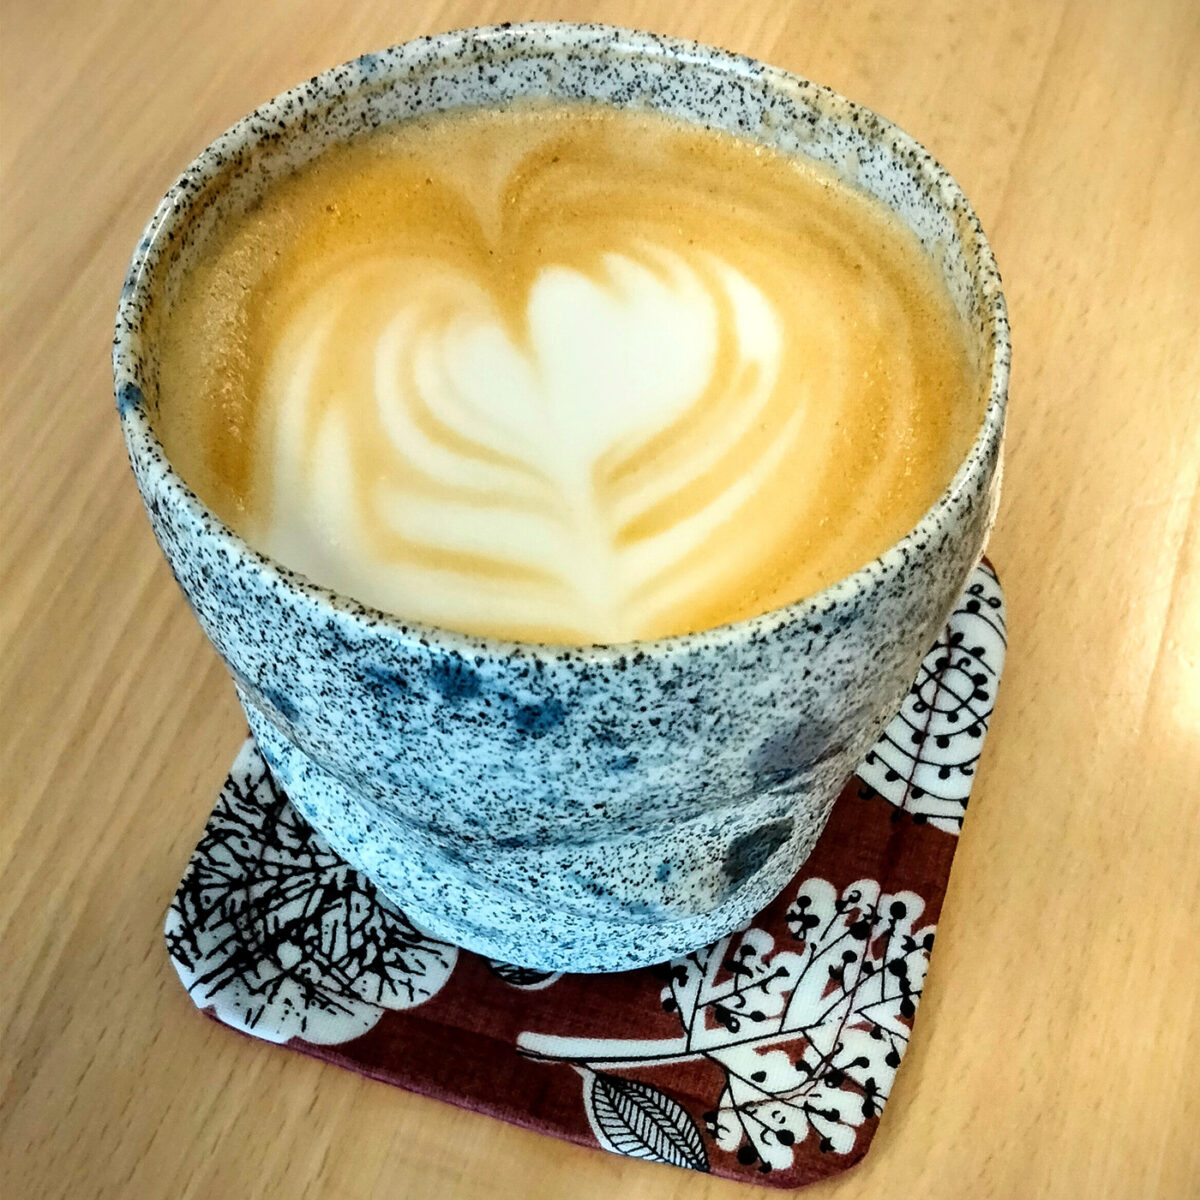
x,y
529,979
924,763
279,937
809,1035
863,960
630,1117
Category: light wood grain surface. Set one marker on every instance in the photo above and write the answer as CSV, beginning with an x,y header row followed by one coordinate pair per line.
x,y
1057,1052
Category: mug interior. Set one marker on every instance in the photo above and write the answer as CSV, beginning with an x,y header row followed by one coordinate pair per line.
x,y
490,67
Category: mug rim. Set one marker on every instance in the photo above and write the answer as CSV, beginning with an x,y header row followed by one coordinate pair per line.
x,y
395,62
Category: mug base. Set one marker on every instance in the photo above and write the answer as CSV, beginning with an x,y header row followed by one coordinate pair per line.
x,y
545,930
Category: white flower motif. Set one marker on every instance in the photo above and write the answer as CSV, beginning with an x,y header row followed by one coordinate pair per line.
x,y
924,763
809,1036
279,937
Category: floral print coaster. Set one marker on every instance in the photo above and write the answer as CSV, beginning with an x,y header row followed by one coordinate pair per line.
x,y
766,1057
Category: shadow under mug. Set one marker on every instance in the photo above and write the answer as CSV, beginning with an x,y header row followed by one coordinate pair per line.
x,y
567,808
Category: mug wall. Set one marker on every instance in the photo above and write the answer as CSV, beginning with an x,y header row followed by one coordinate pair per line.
x,y
581,808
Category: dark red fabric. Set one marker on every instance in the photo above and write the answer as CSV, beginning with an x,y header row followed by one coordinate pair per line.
x,y
459,1047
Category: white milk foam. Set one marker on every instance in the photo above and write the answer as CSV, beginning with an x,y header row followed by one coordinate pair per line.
x,y
607,365
566,374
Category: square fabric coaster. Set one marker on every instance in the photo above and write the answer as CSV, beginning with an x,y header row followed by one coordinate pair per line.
x,y
766,1057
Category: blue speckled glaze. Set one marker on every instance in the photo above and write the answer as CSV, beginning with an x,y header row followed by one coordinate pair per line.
x,y
566,807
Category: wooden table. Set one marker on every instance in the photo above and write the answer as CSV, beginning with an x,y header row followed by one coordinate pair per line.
x,y
1057,1053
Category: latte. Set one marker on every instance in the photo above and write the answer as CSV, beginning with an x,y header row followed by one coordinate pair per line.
x,y
566,373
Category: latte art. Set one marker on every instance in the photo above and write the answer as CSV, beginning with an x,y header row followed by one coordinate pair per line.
x,y
566,374
446,445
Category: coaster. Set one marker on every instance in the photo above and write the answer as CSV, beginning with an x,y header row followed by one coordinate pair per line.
x,y
766,1057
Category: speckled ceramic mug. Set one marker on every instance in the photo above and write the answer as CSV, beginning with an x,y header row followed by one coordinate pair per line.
x,y
567,808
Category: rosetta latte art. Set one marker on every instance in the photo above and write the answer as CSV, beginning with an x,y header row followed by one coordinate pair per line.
x,y
567,375
414,426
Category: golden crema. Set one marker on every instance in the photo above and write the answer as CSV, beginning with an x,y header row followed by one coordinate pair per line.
x,y
566,373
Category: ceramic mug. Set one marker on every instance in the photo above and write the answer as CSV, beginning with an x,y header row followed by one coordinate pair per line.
x,y
582,808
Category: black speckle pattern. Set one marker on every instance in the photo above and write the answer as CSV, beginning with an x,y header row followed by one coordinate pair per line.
x,y
581,808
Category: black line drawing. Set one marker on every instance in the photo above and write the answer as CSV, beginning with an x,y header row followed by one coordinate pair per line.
x,y
925,761
279,937
809,1035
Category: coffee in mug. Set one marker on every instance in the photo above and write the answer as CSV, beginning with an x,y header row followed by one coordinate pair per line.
x,y
567,373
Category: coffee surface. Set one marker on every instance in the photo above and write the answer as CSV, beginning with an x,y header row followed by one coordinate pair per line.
x,y
566,373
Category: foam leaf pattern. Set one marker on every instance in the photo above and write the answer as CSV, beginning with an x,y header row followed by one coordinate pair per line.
x,y
573,381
